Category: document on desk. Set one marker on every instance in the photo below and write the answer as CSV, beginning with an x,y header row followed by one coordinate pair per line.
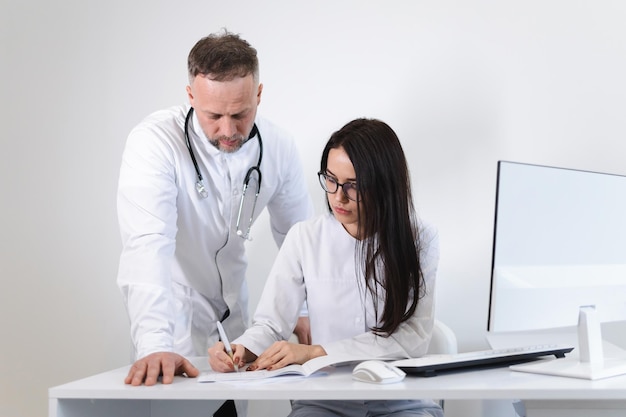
x,y
306,369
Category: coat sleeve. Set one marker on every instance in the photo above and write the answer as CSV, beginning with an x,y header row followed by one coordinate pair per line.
x,y
291,203
146,203
281,300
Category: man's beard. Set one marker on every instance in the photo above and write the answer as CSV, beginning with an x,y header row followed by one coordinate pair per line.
x,y
234,143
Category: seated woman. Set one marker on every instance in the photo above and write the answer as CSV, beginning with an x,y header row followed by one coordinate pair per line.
x,y
366,270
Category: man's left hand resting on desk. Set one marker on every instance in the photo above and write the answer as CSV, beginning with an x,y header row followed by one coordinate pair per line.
x,y
148,369
278,355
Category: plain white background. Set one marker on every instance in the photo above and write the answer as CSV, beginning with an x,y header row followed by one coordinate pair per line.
x,y
463,83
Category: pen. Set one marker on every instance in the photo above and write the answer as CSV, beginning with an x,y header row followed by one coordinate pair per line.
x,y
229,350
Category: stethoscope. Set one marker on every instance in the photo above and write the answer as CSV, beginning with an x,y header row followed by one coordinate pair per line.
x,y
202,191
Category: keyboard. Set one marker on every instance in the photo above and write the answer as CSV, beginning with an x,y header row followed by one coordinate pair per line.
x,y
431,365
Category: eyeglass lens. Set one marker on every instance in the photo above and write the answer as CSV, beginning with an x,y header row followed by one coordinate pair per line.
x,y
330,185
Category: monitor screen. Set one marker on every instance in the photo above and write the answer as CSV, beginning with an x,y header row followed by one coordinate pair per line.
x,y
559,244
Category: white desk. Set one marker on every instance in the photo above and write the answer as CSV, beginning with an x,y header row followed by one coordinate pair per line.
x,y
106,395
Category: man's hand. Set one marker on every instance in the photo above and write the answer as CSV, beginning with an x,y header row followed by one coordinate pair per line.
x,y
303,330
148,369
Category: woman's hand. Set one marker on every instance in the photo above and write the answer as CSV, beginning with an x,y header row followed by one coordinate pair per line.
x,y
220,361
284,353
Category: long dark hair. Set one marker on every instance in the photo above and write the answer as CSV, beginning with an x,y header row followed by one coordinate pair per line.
x,y
389,245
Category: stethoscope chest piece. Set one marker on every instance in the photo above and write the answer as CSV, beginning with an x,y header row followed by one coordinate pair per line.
x,y
201,189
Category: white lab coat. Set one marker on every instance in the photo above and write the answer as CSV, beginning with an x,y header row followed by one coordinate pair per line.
x,y
317,263
182,265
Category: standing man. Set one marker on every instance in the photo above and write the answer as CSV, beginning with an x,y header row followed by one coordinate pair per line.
x,y
187,198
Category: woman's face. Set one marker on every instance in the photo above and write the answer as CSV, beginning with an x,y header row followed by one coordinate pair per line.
x,y
340,168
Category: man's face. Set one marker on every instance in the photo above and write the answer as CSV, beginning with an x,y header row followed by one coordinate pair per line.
x,y
225,109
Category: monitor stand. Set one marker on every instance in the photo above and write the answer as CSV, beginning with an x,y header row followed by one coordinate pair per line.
x,y
591,363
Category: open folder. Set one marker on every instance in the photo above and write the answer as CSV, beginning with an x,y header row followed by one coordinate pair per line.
x,y
306,369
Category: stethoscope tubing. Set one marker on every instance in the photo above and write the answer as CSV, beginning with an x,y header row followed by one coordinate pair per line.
x,y
255,132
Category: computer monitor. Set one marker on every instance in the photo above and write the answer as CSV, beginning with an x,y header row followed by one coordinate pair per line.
x,y
559,260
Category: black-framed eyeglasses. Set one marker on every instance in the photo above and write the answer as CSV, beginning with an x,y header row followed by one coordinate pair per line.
x,y
330,185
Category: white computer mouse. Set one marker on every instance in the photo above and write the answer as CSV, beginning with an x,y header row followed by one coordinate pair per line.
x,y
377,372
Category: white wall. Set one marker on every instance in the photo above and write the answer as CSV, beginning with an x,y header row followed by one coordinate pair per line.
x,y
464,83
